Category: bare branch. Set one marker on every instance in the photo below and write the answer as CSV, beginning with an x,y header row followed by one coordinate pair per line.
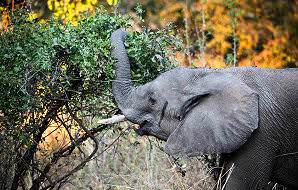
x,y
59,154
27,157
89,133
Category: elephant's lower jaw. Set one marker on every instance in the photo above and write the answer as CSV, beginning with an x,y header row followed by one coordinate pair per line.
x,y
142,131
148,132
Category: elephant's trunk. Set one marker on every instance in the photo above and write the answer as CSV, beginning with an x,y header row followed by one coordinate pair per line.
x,y
122,86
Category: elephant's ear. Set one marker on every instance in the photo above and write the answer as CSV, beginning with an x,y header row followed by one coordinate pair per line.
x,y
218,113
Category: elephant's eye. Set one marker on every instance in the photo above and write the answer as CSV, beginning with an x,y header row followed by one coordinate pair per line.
x,y
152,101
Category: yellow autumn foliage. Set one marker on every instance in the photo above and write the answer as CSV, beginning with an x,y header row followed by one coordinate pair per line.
x,y
260,41
71,10
112,2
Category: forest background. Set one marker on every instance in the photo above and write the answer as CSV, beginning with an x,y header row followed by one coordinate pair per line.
x,y
209,33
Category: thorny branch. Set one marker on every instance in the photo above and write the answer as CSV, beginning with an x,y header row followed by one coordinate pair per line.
x,y
104,124
60,153
25,160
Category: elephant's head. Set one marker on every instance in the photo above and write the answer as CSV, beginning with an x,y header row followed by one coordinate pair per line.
x,y
195,110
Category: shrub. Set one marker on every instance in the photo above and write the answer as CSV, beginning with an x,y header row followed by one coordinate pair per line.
x,y
60,75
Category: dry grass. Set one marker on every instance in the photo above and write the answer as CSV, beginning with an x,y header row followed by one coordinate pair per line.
x,y
137,163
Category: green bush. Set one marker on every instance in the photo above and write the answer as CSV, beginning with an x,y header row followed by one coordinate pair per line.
x,y
42,62
47,67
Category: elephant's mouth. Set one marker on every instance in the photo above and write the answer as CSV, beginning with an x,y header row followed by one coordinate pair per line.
x,y
147,128
149,132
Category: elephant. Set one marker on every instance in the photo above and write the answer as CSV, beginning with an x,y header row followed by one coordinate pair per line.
x,y
247,113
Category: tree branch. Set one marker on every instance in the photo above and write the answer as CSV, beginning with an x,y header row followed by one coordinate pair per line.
x,y
89,133
26,159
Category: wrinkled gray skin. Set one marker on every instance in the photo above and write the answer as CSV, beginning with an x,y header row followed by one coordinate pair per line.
x,y
249,113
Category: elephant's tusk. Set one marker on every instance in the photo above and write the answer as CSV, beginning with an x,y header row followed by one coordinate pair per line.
x,y
112,120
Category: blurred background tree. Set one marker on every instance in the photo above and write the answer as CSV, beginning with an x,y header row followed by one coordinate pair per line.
x,y
265,34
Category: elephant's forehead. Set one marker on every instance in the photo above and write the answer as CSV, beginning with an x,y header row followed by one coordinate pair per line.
x,y
167,83
179,77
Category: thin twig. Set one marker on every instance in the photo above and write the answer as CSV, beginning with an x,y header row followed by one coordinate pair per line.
x,y
203,43
111,144
186,22
83,163
59,154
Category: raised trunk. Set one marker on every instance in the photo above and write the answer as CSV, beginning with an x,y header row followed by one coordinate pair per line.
x,y
122,85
